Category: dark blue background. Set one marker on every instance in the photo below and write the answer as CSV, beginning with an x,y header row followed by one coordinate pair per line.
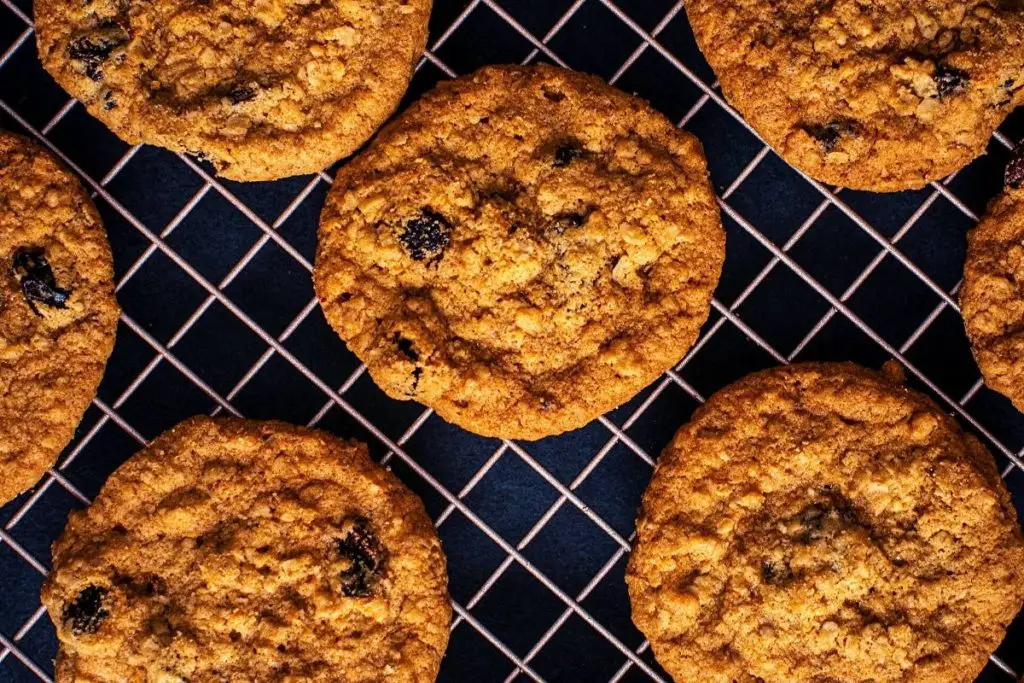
x,y
159,375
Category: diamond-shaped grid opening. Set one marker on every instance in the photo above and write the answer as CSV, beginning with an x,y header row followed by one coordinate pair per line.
x,y
570,549
24,85
577,652
391,416
893,301
745,258
887,213
154,186
131,356
268,200
655,79
279,392
103,453
164,399
511,497
938,243
471,657
518,609
653,430
835,251
20,596
775,198
483,38
608,602
613,490
841,340
783,309
461,458
943,353
564,456
317,347
161,296
273,308
219,348
87,142
44,522
472,556
728,355
728,145
214,237
594,40
537,16
996,414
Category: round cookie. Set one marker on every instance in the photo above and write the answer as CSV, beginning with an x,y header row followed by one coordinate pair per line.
x,y
992,298
58,315
523,250
821,522
884,96
240,550
263,90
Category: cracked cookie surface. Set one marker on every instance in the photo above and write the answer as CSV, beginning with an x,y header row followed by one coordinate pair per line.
x,y
523,250
992,298
882,96
234,550
822,522
263,89
58,315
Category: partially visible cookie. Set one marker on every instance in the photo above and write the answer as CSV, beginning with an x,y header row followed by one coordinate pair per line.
x,y
884,95
58,315
263,89
992,298
523,250
821,522
233,550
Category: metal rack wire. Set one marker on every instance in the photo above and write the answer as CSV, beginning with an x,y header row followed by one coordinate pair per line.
x,y
27,644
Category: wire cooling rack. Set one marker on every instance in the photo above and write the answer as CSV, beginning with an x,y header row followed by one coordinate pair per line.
x,y
219,317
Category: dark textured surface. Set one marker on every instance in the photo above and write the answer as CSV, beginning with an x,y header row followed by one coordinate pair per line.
x,y
181,351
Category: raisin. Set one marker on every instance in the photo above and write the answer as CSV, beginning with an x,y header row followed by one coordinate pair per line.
x,y
812,521
366,557
87,612
774,573
950,80
830,133
568,221
406,348
1015,169
94,48
36,279
426,236
241,93
567,153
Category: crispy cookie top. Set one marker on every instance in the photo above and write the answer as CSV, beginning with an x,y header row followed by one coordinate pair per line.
x,y
239,550
883,95
992,298
523,250
821,522
58,315
265,89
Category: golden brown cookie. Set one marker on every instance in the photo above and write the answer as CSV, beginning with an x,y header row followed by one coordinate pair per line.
x,y
884,95
992,298
820,522
233,550
523,250
263,89
58,315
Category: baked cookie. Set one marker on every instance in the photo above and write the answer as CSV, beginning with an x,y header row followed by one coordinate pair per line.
x,y
58,315
523,250
992,298
263,89
884,95
820,522
233,550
